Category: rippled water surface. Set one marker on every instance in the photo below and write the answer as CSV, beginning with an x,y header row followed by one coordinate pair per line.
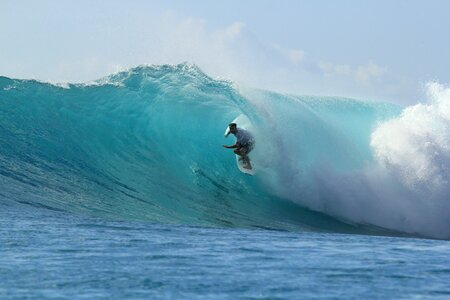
x,y
49,254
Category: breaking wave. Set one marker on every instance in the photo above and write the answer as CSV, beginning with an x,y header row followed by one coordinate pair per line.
x,y
146,144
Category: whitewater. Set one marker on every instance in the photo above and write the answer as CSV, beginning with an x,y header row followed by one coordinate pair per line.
x,y
145,144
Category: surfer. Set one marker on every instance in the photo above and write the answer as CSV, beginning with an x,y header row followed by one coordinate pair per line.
x,y
244,144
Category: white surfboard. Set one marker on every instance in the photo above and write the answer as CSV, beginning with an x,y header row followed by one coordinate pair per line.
x,y
242,122
240,164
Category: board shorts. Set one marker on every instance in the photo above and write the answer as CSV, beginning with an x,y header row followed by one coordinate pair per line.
x,y
247,147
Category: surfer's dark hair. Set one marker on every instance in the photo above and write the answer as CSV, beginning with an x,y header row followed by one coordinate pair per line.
x,y
232,124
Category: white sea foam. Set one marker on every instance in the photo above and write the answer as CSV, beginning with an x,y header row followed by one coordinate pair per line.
x,y
417,144
415,148
339,158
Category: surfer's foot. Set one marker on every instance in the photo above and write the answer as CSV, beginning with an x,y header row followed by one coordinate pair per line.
x,y
247,166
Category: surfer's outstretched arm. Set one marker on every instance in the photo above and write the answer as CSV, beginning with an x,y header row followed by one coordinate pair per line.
x,y
232,146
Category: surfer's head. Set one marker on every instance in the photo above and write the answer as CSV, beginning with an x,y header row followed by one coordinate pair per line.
x,y
232,127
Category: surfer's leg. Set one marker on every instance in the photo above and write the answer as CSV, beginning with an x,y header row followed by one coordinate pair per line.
x,y
248,165
238,151
244,154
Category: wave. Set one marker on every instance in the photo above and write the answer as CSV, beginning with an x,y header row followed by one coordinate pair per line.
x,y
146,144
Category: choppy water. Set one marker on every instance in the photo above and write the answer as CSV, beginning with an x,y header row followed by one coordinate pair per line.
x,y
47,254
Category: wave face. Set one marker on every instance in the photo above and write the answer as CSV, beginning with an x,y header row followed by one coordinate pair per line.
x,y
146,144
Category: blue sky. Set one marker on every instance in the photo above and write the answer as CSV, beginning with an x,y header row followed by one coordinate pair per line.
x,y
375,50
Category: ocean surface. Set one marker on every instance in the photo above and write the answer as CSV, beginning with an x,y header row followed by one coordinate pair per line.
x,y
120,188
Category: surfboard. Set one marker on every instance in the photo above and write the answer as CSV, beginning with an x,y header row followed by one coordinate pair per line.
x,y
243,122
240,164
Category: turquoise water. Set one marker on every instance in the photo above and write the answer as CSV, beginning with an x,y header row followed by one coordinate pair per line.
x,y
120,188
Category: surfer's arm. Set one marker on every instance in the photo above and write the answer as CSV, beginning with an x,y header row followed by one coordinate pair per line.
x,y
231,147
